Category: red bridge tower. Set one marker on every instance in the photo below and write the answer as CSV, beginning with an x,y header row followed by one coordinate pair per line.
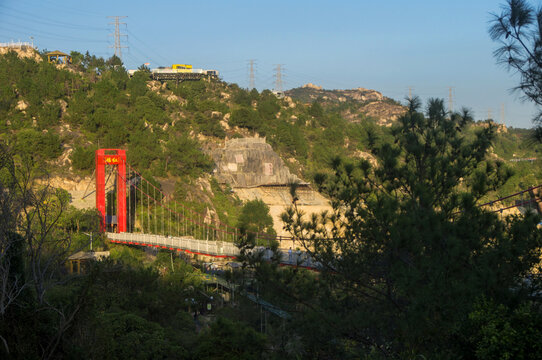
x,y
113,157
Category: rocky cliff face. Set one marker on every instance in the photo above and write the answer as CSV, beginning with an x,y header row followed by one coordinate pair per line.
x,y
250,162
255,171
366,101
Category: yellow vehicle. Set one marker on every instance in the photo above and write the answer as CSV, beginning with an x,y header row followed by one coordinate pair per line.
x,y
181,66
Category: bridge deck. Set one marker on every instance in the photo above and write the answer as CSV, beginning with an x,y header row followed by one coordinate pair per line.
x,y
219,249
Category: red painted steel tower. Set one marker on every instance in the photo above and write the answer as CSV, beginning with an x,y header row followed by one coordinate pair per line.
x,y
113,157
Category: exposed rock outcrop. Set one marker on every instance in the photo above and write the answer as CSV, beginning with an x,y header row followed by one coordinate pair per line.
x,y
255,171
311,86
22,51
367,102
250,162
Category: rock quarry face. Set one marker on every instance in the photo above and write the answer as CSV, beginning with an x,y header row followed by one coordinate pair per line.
x,y
255,171
250,162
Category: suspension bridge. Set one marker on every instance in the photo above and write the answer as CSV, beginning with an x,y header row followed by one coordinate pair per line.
x,y
135,211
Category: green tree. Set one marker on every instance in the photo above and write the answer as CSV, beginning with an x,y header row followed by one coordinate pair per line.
x,y
209,125
316,109
83,158
143,149
77,57
184,157
268,107
34,248
242,97
150,109
144,68
247,118
39,145
255,218
230,340
106,94
114,61
518,31
122,335
137,86
499,332
406,253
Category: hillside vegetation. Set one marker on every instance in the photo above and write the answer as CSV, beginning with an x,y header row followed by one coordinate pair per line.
x,y
59,116
145,304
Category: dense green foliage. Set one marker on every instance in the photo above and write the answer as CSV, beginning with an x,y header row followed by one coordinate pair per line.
x,y
255,218
225,339
518,31
133,305
101,105
407,256
406,274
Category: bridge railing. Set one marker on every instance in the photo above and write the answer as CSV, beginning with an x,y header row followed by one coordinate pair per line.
x,y
208,247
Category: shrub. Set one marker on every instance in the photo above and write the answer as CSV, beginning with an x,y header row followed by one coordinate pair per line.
x,y
34,143
83,158
247,118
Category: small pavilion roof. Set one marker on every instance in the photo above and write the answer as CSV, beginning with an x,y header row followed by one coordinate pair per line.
x,y
57,53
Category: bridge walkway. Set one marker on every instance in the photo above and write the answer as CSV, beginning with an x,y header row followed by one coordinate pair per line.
x,y
217,249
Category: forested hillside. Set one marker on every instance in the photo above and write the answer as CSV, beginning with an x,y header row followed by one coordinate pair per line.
x,y
58,114
94,103
423,269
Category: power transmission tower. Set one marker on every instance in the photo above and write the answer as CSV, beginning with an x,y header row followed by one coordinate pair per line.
x,y
502,113
278,76
410,92
450,100
251,84
489,115
118,47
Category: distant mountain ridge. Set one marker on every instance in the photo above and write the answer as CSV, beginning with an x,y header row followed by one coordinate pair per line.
x,y
353,102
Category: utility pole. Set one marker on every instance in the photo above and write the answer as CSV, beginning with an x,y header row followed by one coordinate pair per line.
x,y
251,84
118,47
278,77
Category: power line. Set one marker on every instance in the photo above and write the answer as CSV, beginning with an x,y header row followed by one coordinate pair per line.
x,y
132,35
144,56
76,11
46,34
118,47
36,20
32,17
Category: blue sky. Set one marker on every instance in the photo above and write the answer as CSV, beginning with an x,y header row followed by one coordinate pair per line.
x,y
387,46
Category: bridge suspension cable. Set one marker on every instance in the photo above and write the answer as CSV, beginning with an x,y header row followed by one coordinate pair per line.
x,y
164,211
204,225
